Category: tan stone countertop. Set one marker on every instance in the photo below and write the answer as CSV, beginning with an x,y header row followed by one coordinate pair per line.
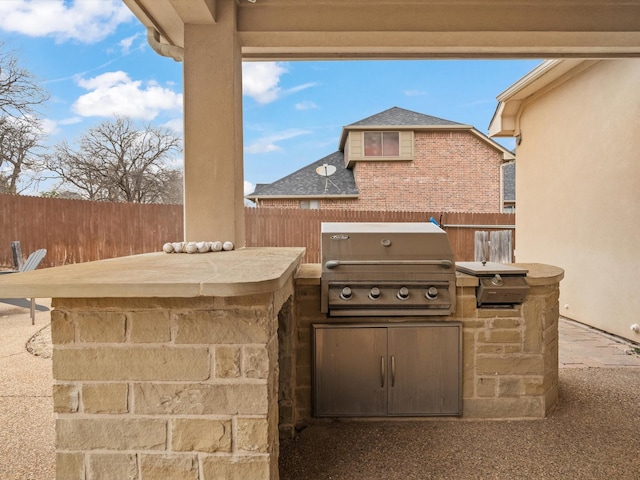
x,y
246,271
539,274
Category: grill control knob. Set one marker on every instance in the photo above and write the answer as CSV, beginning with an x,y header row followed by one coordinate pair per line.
x,y
346,293
432,293
403,293
374,294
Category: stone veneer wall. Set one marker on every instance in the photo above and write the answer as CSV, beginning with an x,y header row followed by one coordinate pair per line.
x,y
179,388
510,356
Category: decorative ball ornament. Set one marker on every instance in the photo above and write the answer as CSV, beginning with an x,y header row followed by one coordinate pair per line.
x,y
197,247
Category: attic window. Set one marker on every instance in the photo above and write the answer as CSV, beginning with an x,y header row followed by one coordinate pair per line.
x,y
381,144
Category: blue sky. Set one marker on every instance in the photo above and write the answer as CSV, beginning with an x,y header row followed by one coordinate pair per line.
x,y
93,58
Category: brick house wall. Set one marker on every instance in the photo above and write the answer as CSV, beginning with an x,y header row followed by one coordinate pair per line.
x,y
452,171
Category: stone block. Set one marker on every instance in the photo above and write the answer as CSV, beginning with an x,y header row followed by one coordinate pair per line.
x,y
227,362
65,398
69,466
100,327
105,398
486,387
490,348
236,468
256,301
200,435
113,466
111,434
510,387
503,408
469,323
201,399
131,363
256,362
150,326
466,307
510,365
488,312
62,328
252,435
501,323
501,336
226,326
169,467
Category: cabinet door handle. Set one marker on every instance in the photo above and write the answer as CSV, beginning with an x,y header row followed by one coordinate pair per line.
x,y
382,375
393,370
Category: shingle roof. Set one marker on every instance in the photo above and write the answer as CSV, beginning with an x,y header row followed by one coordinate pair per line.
x,y
397,116
306,182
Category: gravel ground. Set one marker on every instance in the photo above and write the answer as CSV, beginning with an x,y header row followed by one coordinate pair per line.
x,y
26,407
594,433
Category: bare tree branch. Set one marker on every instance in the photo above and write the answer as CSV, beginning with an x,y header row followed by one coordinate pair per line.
x,y
116,161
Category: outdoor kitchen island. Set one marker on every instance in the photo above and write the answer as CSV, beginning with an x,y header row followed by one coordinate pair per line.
x,y
166,365
191,366
509,355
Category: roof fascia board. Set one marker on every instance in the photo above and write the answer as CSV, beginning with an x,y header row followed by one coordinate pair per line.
x,y
507,155
545,77
195,11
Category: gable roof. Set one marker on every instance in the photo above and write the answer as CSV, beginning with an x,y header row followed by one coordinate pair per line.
x,y
306,182
396,116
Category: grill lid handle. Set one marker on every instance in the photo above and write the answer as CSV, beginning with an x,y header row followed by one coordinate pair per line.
x,y
331,264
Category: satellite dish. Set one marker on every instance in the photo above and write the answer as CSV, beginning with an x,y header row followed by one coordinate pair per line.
x,y
326,170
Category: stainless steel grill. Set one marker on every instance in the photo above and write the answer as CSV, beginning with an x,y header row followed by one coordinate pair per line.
x,y
386,269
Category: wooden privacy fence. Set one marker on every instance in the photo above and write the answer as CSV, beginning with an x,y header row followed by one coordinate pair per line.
x,y
293,227
75,231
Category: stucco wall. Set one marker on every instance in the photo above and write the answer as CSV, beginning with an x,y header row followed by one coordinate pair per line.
x,y
578,184
452,171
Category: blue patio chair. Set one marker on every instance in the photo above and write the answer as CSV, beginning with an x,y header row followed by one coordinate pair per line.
x,y
31,264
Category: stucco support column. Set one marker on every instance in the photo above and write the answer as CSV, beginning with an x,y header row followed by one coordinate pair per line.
x,y
213,170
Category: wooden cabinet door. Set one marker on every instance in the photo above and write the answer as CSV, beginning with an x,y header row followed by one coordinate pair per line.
x,y
350,371
424,370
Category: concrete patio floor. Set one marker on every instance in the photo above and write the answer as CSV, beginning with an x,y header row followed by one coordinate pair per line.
x,y
592,434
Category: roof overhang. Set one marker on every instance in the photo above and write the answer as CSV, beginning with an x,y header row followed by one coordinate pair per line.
x,y
340,29
505,121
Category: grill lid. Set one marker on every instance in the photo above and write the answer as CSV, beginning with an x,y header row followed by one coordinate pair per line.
x,y
480,269
377,269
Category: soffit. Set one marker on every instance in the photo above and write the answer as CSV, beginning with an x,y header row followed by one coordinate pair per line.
x,y
326,29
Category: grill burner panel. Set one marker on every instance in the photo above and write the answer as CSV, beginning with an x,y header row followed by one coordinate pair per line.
x,y
387,269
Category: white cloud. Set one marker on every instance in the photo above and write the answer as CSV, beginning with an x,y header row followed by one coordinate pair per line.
x,y
87,21
306,105
114,93
260,80
177,125
126,43
248,187
268,143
